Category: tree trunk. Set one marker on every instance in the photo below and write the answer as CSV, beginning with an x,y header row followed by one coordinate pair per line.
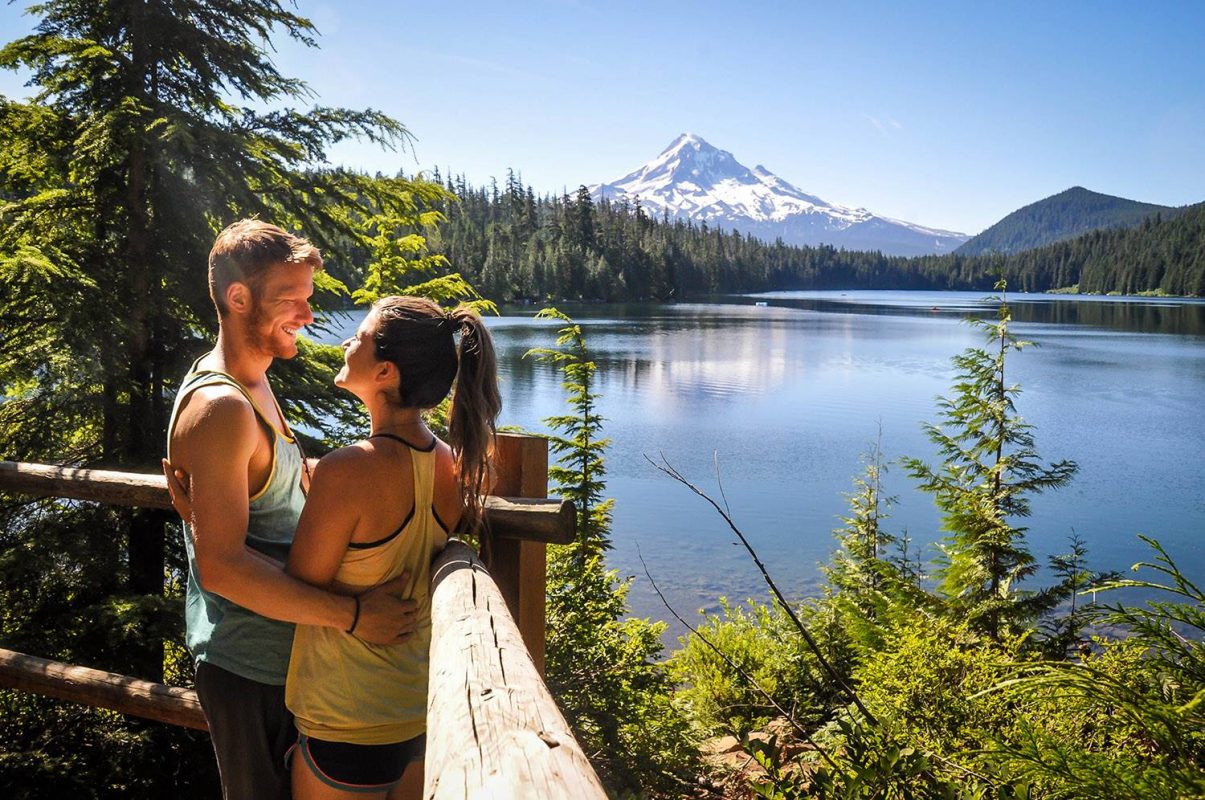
x,y
145,438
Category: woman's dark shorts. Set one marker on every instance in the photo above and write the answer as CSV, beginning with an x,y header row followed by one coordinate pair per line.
x,y
358,767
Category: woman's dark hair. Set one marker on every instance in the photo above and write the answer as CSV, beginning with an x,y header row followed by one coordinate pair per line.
x,y
418,337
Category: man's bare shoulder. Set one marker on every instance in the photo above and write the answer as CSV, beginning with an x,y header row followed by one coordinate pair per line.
x,y
219,404
217,417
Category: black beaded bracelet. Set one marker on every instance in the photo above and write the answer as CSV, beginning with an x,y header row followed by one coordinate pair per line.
x,y
355,620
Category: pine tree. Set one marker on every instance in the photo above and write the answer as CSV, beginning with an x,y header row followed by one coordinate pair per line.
x,y
149,157
153,125
1064,634
858,566
579,444
603,668
990,467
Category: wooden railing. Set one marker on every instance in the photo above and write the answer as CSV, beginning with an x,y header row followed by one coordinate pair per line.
x,y
92,687
493,728
491,723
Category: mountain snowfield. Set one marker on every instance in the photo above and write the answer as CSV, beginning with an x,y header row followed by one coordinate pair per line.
x,y
693,180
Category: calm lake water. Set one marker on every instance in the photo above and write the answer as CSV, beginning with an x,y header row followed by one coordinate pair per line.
x,y
786,397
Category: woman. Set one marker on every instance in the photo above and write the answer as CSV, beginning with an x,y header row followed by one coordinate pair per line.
x,y
377,509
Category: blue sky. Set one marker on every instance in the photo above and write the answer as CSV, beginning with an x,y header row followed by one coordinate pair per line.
x,y
945,114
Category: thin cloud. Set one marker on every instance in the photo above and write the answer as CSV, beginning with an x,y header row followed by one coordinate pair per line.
x,y
478,64
877,123
884,125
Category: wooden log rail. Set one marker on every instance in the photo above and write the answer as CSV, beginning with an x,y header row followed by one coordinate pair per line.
x,y
521,524
92,687
494,730
520,518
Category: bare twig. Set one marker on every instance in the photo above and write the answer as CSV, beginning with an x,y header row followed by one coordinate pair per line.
x,y
669,470
715,460
737,668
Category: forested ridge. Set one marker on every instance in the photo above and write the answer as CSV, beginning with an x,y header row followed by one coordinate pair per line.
x,y
515,245
1062,216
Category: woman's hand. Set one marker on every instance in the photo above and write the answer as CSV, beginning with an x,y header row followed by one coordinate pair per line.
x,y
179,486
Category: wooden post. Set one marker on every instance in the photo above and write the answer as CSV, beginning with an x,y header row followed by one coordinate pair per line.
x,y
520,567
493,730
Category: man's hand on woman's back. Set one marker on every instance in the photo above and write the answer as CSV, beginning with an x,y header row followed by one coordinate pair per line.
x,y
387,616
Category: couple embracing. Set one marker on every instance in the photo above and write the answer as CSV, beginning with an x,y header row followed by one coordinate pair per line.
x,y
307,606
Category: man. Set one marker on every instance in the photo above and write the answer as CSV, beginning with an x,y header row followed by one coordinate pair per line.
x,y
248,479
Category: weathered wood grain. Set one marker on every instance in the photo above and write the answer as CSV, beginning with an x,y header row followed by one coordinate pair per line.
x,y
76,483
520,565
93,687
493,729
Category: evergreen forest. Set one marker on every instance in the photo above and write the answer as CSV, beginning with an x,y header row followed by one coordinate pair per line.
x,y
514,246
154,123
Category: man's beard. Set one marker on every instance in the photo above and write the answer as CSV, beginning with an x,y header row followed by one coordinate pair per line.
x,y
258,336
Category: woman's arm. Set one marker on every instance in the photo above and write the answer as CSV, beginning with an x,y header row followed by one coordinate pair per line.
x,y
329,518
447,489
385,616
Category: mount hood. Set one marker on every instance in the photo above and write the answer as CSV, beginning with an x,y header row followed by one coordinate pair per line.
x,y
693,180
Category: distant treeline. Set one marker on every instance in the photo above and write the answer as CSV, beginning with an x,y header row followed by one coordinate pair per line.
x,y
513,245
1165,255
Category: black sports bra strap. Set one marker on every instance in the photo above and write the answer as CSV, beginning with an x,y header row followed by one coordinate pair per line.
x,y
426,449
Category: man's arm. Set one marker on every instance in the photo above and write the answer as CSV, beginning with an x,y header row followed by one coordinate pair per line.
x,y
214,444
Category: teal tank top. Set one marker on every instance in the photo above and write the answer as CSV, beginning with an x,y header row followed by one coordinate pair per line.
x,y
217,630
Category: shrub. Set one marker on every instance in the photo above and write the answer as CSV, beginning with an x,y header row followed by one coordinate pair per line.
x,y
925,686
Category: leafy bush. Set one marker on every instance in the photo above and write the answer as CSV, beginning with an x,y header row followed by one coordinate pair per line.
x,y
925,686
1128,721
762,641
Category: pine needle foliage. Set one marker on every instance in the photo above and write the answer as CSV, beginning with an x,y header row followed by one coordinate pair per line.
x,y
578,439
860,566
399,257
872,582
603,668
1128,719
990,467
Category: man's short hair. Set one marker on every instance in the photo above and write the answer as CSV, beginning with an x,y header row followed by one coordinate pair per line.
x,y
247,249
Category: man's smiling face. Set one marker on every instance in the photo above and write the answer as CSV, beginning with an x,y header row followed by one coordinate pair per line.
x,y
280,309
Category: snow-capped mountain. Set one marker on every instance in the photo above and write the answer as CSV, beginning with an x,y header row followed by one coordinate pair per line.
x,y
693,180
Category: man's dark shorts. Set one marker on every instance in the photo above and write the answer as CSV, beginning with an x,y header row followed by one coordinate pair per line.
x,y
251,731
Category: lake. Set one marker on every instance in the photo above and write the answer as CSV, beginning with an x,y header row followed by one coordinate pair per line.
x,y
786,397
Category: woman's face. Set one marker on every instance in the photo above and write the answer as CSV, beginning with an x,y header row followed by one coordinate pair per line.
x,y
360,363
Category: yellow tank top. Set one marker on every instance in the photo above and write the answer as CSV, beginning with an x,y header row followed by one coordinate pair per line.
x,y
342,689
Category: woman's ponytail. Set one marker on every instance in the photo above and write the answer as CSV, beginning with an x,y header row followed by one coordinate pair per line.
x,y
476,403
